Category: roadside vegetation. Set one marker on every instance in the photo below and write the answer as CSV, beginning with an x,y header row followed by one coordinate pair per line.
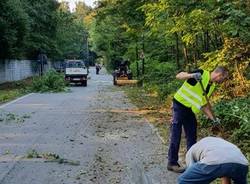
x,y
12,90
234,114
51,81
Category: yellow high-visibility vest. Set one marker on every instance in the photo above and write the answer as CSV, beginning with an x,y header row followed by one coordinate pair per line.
x,y
192,96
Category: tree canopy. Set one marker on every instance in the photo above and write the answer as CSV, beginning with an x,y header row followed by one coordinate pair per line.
x,y
28,27
183,34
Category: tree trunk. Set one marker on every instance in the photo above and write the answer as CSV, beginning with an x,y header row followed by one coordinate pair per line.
x,y
143,59
218,44
177,55
206,41
136,51
185,52
197,52
195,59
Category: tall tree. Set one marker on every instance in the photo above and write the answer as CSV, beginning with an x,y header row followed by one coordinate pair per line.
x,y
43,25
14,28
70,33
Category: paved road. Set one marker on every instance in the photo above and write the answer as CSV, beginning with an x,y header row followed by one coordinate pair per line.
x,y
95,125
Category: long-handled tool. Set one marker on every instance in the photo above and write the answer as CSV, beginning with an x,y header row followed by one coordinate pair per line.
x,y
207,99
215,126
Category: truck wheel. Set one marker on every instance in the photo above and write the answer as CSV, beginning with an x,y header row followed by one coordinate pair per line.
x,y
84,83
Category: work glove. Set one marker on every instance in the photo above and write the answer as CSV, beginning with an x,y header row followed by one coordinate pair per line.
x,y
216,121
196,76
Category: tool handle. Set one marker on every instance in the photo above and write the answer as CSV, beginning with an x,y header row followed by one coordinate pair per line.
x,y
207,99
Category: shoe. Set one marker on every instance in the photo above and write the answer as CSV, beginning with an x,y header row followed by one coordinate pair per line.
x,y
176,168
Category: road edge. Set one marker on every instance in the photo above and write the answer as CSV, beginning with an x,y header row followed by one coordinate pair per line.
x,y
16,100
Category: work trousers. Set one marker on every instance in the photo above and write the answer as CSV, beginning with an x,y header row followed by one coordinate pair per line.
x,y
200,173
182,117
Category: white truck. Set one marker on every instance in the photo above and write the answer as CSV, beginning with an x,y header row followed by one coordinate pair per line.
x,y
76,72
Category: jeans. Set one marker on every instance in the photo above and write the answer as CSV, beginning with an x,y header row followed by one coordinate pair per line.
x,y
182,116
200,173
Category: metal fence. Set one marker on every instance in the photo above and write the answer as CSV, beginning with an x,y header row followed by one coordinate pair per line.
x,y
14,70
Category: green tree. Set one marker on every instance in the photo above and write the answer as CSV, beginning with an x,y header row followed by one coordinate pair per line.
x,y
14,28
70,33
43,25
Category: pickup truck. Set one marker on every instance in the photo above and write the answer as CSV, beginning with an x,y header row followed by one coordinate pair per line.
x,y
76,72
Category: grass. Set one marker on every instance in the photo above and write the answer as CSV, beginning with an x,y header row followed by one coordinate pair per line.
x,y
12,90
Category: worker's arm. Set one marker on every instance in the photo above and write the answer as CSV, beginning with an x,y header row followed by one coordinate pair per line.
x,y
208,111
186,75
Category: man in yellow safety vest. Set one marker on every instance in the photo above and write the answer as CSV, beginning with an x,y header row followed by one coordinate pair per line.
x,y
188,101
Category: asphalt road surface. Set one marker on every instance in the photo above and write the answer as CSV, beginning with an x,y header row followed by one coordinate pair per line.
x,y
94,125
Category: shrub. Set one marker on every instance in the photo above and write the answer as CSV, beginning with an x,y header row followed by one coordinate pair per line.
x,y
235,56
235,117
50,82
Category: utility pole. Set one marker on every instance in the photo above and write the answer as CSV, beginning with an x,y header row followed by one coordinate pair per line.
x,y
86,49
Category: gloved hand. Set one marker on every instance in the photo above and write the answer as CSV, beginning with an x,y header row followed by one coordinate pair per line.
x,y
196,76
216,121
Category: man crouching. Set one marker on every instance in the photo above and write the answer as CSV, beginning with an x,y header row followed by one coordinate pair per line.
x,y
212,158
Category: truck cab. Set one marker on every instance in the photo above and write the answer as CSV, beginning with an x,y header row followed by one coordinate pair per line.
x,y
76,72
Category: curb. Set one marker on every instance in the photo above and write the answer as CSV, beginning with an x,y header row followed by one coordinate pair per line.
x,y
16,100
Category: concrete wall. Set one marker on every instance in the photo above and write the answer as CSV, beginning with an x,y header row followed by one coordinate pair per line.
x,y
13,70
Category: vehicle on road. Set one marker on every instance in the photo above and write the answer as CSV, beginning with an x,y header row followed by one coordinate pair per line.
x,y
123,76
76,72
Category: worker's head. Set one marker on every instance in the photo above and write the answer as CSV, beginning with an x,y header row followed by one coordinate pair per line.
x,y
219,74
